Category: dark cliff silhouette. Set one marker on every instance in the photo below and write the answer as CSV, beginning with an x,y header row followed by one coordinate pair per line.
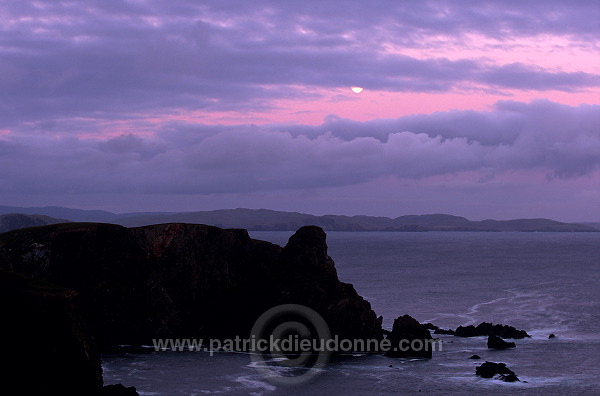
x,y
120,285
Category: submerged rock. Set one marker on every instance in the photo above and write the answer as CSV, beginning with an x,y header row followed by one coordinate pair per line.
x,y
495,342
475,357
552,336
409,338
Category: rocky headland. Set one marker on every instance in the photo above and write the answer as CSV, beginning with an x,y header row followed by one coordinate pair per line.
x,y
105,285
79,289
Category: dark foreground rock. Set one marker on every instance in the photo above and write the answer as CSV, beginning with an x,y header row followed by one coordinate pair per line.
x,y
185,280
509,378
491,369
409,338
129,286
495,342
488,329
46,349
118,390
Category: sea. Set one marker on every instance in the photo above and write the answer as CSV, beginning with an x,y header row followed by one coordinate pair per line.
x,y
540,282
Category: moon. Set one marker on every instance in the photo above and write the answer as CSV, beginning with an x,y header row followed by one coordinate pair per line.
x,y
357,89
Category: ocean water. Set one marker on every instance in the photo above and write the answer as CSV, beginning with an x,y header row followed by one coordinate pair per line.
x,y
540,282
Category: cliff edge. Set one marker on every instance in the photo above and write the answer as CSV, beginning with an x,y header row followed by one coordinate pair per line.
x,y
185,280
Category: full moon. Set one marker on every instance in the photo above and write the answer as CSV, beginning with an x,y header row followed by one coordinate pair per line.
x,y
357,89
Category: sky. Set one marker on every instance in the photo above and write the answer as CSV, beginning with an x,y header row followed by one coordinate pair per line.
x,y
483,109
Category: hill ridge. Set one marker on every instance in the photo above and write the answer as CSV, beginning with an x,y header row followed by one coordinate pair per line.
x,y
273,220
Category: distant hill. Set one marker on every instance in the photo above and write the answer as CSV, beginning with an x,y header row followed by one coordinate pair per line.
x,y
62,213
594,225
59,212
271,220
15,221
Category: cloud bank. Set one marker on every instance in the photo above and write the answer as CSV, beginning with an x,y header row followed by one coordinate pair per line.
x,y
557,140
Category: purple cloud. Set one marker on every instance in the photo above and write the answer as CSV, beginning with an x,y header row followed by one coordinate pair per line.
x,y
558,140
111,60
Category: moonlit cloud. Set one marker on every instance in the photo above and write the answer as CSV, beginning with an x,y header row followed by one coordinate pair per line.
x,y
123,59
148,98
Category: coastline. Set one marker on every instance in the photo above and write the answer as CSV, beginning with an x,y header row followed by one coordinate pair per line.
x,y
518,359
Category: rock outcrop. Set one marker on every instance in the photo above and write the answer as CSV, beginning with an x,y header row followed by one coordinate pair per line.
x,y
118,390
482,329
438,330
495,342
185,280
128,286
488,329
409,338
496,370
46,348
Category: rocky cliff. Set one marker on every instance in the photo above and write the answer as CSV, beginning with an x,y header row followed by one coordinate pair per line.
x,y
46,348
184,280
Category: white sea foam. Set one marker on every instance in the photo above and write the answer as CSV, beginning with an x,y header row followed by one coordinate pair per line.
x,y
474,310
255,384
